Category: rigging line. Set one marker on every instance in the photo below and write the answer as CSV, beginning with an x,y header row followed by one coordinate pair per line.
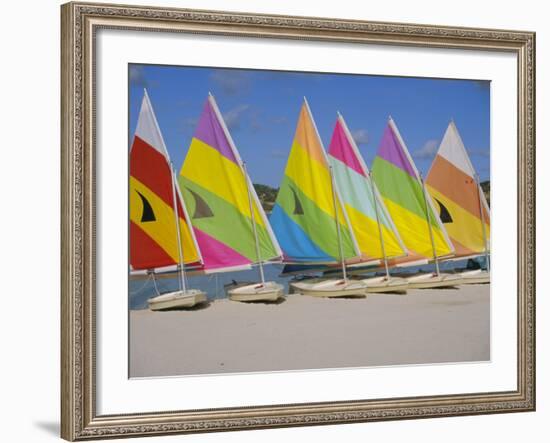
x,y
142,287
155,283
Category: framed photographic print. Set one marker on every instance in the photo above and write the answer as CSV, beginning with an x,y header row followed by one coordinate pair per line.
x,y
283,221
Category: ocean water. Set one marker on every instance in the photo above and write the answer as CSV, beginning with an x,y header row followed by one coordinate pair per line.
x,y
141,290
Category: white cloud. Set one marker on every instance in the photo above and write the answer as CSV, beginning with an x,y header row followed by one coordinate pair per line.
x,y
231,82
137,76
280,120
279,153
479,152
234,117
190,123
360,136
428,149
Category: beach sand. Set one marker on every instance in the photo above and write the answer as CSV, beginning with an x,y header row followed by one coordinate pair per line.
x,y
424,326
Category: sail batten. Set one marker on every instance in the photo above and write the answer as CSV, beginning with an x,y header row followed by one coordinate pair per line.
x,y
401,188
216,187
452,182
305,212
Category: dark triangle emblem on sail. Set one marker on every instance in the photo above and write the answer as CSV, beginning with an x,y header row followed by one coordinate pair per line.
x,y
298,209
148,215
444,214
202,210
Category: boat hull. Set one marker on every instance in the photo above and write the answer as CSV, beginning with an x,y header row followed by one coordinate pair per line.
x,y
384,284
177,300
269,291
295,284
429,281
330,288
476,277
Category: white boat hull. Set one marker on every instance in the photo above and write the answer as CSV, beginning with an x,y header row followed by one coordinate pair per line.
x,y
294,285
269,291
384,284
330,288
432,280
476,277
177,299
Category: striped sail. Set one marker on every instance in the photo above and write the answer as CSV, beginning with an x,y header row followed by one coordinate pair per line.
x,y
304,216
453,186
153,235
214,185
399,183
358,194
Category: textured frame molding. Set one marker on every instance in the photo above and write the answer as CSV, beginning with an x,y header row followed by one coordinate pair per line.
x,y
79,22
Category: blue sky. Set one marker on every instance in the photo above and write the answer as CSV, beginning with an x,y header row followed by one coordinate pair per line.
x,y
261,109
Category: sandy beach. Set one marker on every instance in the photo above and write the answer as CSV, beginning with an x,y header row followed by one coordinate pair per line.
x,y
424,326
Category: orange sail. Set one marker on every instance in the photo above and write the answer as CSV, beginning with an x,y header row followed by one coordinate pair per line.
x,y
157,211
453,185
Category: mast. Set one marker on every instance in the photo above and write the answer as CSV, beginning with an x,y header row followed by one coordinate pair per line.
x,y
338,233
429,224
482,216
256,242
181,270
382,245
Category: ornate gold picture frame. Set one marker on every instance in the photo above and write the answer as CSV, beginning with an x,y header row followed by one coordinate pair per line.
x,y
80,23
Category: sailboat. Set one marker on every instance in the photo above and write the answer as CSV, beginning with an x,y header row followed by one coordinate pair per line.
x,y
454,185
411,208
308,217
160,238
372,226
230,225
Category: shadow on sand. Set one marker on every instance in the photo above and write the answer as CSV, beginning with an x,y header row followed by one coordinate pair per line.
x,y
279,301
346,297
445,288
198,307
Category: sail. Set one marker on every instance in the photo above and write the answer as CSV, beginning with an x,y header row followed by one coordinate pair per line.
x,y
304,216
399,184
454,188
214,185
153,235
358,194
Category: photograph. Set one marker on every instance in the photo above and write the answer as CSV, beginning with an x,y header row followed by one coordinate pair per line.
x,y
290,220
285,217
